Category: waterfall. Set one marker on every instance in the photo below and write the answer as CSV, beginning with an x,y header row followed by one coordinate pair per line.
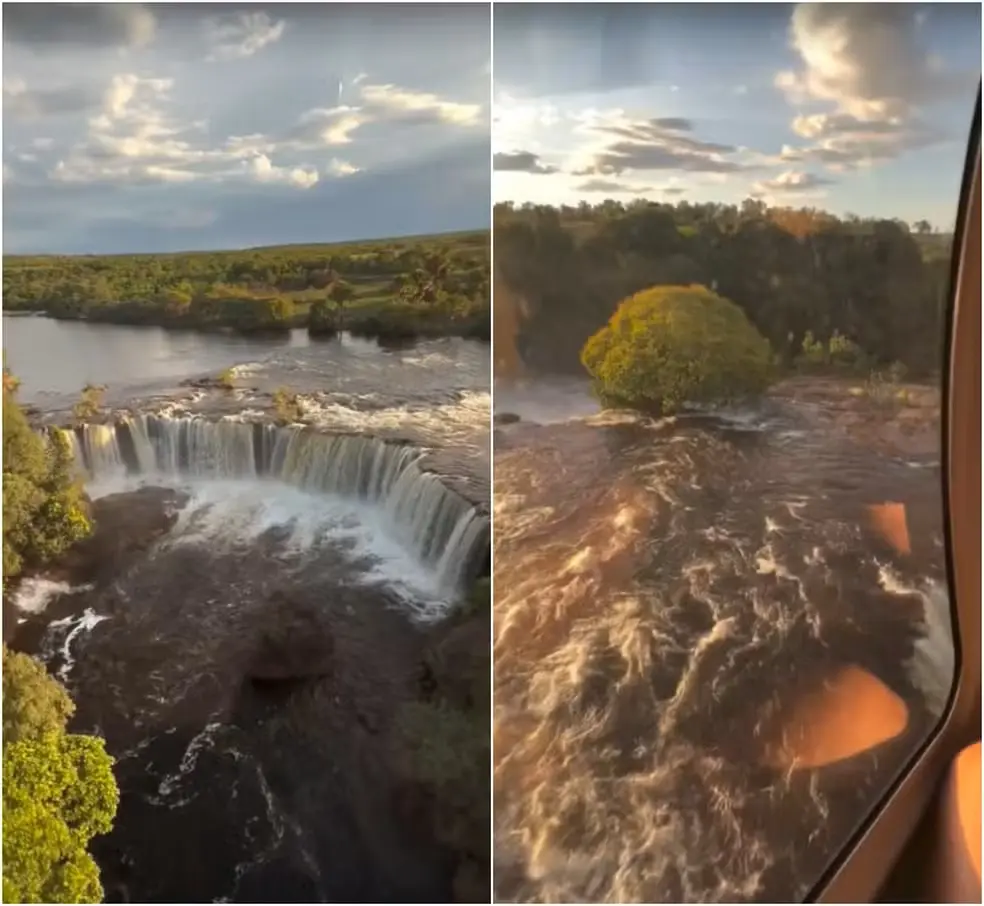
x,y
442,528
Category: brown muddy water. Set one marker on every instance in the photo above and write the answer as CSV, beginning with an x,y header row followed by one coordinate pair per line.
x,y
664,590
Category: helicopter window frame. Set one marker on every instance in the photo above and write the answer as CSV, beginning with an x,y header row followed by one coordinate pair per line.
x,y
864,863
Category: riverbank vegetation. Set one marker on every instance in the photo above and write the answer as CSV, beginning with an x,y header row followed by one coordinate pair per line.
x,y
58,787
429,286
44,510
58,791
843,295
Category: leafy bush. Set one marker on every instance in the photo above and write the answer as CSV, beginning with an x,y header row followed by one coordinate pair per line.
x,y
58,792
43,506
671,345
90,404
288,406
838,351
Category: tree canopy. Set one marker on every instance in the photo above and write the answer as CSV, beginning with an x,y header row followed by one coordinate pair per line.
x,y
798,275
33,703
441,278
671,345
43,506
58,792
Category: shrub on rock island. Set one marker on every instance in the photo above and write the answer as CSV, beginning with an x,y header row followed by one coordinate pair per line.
x,y
671,345
58,792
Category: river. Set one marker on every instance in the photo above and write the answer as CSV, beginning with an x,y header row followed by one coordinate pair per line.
x,y
254,625
665,591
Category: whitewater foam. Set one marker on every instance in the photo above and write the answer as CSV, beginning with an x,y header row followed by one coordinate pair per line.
x,y
35,594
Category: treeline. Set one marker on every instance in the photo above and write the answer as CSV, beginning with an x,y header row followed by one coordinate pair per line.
x,y
261,289
818,287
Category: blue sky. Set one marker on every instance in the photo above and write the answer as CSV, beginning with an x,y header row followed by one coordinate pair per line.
x,y
131,127
861,108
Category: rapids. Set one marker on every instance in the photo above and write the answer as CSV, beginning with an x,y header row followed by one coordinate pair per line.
x,y
663,589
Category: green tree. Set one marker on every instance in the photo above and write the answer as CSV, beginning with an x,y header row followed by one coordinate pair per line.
x,y
43,504
287,405
58,792
90,403
671,345
341,292
33,703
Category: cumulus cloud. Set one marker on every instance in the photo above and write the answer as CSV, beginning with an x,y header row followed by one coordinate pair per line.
x,y
865,63
103,125
43,25
134,141
241,35
864,58
661,143
261,169
521,162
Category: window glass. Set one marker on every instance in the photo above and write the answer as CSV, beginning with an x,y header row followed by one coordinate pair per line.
x,y
722,244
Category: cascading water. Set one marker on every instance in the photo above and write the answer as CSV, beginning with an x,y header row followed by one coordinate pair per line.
x,y
439,526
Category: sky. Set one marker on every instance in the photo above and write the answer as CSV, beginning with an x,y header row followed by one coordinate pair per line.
x,y
168,127
852,108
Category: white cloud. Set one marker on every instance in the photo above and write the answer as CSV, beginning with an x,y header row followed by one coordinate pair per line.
x,y
863,58
262,170
327,126
341,168
133,141
865,64
391,103
240,36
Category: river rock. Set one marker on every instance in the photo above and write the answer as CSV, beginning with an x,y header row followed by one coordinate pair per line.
x,y
126,525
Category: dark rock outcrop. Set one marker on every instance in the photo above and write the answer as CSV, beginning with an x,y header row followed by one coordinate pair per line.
x,y
126,525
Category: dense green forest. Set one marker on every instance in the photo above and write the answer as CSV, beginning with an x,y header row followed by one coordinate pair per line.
x,y
824,291
428,285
